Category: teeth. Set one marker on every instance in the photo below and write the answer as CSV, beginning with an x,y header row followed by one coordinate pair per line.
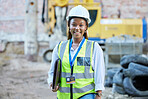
x,y
77,32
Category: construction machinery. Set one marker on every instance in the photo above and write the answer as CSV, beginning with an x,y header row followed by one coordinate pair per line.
x,y
100,29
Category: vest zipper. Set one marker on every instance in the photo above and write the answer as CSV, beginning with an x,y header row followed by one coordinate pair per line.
x,y
71,86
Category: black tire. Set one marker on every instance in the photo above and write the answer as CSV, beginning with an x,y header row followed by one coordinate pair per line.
x,y
47,56
135,83
140,59
135,70
108,82
131,90
118,89
112,72
118,78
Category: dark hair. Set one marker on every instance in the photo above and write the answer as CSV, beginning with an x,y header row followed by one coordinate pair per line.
x,y
69,36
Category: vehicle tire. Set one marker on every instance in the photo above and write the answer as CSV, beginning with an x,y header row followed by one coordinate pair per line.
x,y
131,90
47,56
136,80
118,89
108,82
140,59
118,77
135,69
112,72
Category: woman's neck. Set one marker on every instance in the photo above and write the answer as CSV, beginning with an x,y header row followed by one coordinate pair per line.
x,y
77,41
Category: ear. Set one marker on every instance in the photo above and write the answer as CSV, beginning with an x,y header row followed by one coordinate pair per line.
x,y
86,28
69,30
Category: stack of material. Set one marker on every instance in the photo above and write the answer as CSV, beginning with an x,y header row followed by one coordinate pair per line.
x,y
132,78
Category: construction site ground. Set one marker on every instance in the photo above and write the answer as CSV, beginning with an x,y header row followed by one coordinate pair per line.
x,y
22,79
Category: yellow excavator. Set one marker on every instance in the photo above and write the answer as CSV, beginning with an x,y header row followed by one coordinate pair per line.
x,y
100,29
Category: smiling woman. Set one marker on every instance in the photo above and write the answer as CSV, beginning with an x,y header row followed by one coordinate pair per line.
x,y
83,70
77,23
77,28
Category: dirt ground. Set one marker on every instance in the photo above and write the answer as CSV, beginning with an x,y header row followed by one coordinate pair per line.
x,y
22,79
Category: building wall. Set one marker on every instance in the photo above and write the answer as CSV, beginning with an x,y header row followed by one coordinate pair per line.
x,y
12,16
12,12
128,8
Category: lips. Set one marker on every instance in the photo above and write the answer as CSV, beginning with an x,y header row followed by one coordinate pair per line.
x,y
77,32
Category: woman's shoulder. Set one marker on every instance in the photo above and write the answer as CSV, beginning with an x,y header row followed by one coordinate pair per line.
x,y
65,41
96,45
94,42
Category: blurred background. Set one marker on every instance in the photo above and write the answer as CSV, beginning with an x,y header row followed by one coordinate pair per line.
x,y
30,29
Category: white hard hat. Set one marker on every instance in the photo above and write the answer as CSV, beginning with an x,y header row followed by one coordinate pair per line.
x,y
79,11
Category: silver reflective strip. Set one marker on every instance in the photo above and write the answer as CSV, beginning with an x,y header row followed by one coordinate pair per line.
x,y
78,75
64,89
88,49
84,89
87,54
77,90
62,50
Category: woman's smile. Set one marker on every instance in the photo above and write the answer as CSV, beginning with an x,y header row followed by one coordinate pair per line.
x,y
77,28
77,33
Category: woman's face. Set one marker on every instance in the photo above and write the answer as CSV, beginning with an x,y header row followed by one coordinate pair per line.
x,y
77,27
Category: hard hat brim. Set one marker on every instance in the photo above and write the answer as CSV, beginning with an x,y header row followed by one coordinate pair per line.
x,y
68,18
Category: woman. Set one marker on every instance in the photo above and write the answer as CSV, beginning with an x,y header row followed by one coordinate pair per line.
x,y
83,69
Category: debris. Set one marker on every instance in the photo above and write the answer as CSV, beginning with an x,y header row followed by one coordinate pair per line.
x,y
132,79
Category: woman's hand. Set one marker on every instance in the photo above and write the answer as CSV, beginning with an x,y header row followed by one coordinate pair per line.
x,y
54,90
99,96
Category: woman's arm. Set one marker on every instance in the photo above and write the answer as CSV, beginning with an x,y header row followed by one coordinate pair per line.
x,y
98,67
54,58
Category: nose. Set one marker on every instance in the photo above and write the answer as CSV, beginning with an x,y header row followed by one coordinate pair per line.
x,y
77,27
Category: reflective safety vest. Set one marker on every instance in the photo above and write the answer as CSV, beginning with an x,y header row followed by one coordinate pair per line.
x,y
82,71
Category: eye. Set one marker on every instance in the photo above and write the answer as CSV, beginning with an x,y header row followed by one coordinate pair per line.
x,y
81,25
73,24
